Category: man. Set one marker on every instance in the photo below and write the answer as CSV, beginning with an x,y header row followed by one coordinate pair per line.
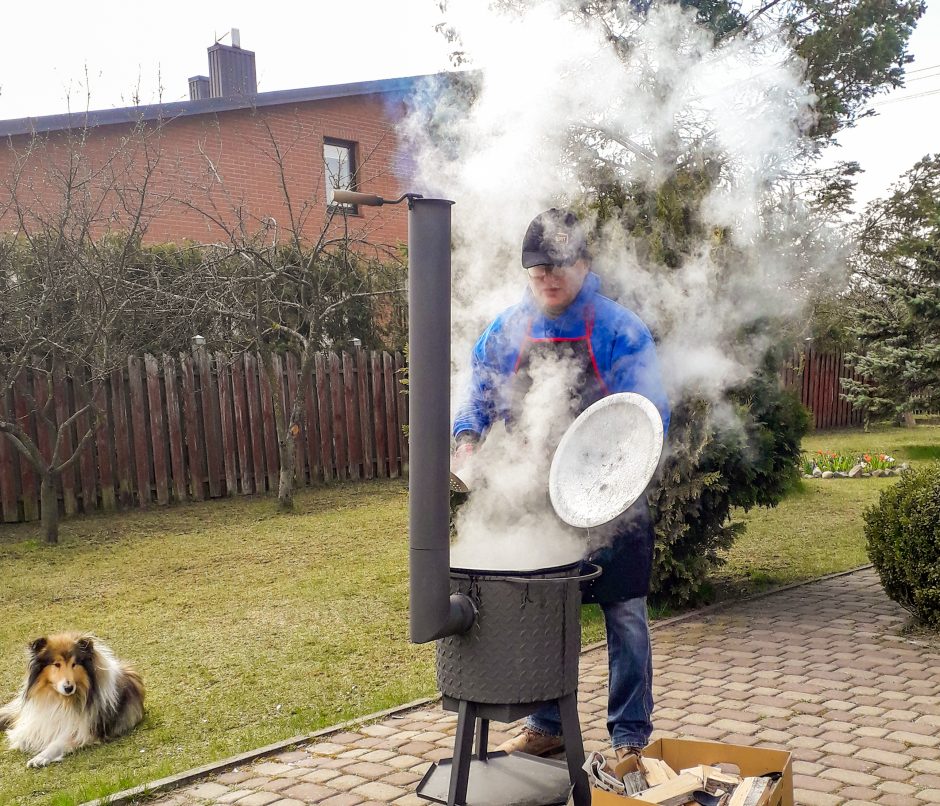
x,y
608,349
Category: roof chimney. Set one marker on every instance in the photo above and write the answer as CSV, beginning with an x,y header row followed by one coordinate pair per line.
x,y
198,88
231,70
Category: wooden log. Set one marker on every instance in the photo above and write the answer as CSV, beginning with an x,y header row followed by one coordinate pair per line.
x,y
122,444
174,427
195,452
256,421
242,426
751,792
324,419
272,453
365,415
353,429
227,423
675,792
378,416
158,439
105,449
29,481
138,413
63,410
391,417
339,418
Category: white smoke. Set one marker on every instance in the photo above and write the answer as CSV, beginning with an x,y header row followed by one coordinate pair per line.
x,y
550,81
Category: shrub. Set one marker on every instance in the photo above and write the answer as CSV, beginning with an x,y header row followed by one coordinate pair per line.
x,y
903,537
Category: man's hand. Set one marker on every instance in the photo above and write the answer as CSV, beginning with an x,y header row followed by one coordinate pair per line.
x,y
462,455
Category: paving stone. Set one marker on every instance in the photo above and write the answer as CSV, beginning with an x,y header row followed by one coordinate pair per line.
x,y
206,791
309,792
258,799
342,799
376,790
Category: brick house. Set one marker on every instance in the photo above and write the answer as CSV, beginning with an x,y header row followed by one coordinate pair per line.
x,y
228,156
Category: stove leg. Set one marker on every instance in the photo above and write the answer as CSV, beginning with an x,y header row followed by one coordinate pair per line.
x,y
463,746
483,737
571,726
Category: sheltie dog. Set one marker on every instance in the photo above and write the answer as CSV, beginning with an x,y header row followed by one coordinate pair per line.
x,y
76,693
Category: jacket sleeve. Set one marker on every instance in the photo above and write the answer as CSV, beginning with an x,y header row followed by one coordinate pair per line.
x,y
476,411
635,368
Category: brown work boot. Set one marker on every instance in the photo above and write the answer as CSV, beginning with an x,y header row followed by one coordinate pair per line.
x,y
534,743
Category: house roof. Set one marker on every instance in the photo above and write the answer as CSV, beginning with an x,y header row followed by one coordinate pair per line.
x,y
135,114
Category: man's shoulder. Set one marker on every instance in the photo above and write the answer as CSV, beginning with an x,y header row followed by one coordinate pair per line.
x,y
618,317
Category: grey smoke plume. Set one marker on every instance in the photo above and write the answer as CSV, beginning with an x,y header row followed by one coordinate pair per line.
x,y
551,81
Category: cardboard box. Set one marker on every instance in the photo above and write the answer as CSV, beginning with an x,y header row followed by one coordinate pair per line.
x,y
681,754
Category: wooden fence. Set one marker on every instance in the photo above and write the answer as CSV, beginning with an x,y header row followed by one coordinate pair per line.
x,y
816,377
202,426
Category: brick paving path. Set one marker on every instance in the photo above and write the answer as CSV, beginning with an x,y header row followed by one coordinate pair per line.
x,y
819,670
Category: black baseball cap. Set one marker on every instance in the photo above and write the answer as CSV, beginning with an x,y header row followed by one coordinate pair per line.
x,y
554,238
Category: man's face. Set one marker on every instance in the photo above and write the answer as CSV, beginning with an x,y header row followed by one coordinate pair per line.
x,y
555,287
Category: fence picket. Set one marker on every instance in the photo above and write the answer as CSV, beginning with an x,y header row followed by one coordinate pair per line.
x,y
271,449
226,423
29,481
87,470
158,439
254,417
122,445
365,418
311,429
105,449
174,427
8,470
139,431
391,416
402,395
208,399
64,441
323,418
339,418
378,417
352,430
194,442
242,426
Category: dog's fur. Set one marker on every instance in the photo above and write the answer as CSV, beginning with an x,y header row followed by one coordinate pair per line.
x,y
76,693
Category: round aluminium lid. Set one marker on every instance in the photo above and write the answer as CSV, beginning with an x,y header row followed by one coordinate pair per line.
x,y
605,459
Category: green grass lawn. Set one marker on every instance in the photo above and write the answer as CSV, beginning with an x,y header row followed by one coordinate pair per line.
x,y
250,626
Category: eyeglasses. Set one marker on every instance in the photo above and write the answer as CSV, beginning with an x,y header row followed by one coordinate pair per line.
x,y
541,272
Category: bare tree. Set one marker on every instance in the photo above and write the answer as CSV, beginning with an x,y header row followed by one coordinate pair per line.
x,y
303,283
77,221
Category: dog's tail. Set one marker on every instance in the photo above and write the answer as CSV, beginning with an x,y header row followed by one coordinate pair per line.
x,y
8,714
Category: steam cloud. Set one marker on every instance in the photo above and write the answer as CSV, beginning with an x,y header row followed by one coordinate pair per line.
x,y
550,81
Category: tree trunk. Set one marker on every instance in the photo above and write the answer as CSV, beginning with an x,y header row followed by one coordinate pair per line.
x,y
49,501
285,489
907,420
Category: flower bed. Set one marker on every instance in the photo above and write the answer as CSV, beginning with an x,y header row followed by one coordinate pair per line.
x,y
832,464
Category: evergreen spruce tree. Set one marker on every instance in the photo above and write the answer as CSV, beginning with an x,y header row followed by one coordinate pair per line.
x,y
896,318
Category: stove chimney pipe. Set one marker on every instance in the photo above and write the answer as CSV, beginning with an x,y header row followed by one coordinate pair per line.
x,y
434,612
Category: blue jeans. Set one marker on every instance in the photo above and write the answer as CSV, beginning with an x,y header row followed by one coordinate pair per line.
x,y
630,661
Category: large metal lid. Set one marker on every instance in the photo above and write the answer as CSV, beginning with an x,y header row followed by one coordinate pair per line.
x,y
605,460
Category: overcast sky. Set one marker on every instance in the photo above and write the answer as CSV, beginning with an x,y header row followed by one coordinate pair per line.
x,y
101,54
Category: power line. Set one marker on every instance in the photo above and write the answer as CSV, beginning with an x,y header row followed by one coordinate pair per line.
x,y
907,97
922,69
923,78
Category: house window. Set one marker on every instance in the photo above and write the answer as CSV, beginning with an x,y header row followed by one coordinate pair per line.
x,y
340,160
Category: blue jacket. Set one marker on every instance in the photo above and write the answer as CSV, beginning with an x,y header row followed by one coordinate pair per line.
x,y
622,346
624,355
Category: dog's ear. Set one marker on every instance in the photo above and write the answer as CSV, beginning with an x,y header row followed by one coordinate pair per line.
x,y
38,646
85,646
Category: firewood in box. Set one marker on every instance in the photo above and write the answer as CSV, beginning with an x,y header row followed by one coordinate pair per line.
x,y
675,792
658,771
751,792
713,778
